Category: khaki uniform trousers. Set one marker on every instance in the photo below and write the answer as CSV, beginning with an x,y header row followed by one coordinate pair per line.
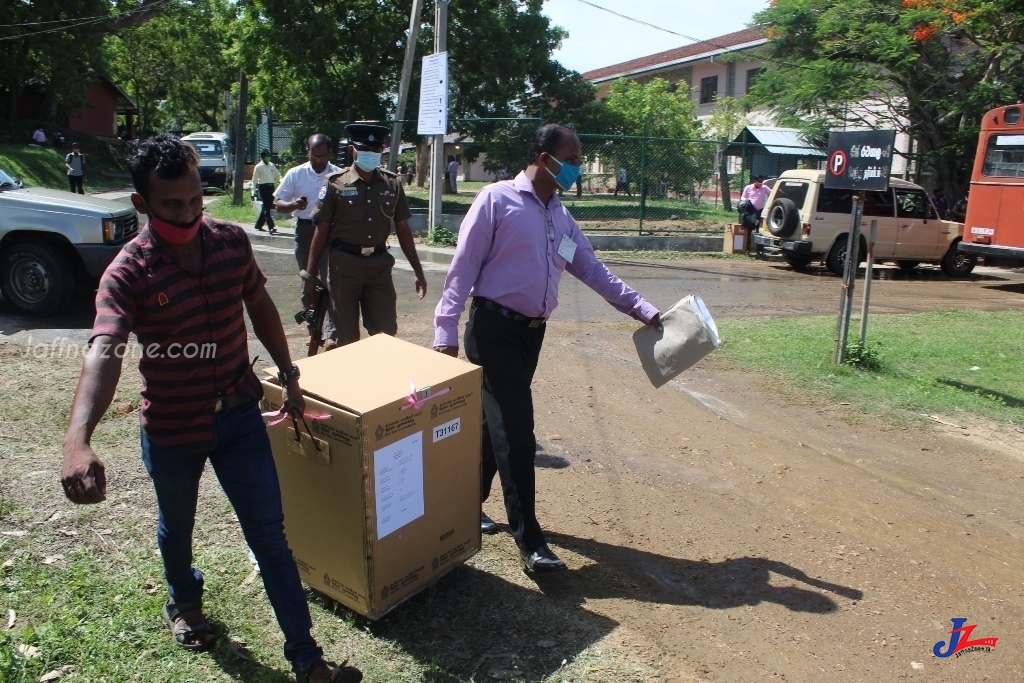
x,y
362,283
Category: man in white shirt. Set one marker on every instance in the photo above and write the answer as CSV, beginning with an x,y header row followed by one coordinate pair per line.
x,y
301,185
264,177
39,136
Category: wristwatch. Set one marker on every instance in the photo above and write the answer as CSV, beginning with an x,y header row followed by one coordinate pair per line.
x,y
288,375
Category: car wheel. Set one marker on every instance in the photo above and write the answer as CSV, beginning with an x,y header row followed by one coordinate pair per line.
x,y
36,279
957,263
908,266
795,261
836,258
783,217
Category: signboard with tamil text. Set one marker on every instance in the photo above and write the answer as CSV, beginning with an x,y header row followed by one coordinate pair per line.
x,y
859,160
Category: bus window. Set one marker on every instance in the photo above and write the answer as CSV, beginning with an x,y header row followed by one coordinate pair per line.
x,y
1004,157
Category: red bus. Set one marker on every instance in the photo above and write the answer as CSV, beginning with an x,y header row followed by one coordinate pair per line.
x,y
994,224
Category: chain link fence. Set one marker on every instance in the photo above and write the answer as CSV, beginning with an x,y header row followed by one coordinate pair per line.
x,y
630,184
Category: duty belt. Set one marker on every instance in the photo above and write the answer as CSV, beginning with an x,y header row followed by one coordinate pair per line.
x,y
508,312
357,250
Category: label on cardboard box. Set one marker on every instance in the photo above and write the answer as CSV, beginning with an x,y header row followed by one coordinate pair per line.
x,y
447,429
398,483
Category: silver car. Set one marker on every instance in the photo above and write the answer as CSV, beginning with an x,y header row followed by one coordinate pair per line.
x,y
50,240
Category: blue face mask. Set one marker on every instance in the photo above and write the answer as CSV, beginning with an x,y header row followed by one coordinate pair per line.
x,y
567,174
367,161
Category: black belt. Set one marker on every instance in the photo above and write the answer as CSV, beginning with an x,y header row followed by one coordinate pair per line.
x,y
507,312
304,221
231,401
357,250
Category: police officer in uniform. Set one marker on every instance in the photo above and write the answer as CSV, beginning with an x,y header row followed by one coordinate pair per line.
x,y
355,209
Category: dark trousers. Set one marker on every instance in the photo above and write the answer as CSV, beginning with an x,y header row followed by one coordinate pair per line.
x,y
244,465
76,183
362,283
266,191
508,352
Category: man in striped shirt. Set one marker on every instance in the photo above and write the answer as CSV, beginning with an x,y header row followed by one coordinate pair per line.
x,y
180,286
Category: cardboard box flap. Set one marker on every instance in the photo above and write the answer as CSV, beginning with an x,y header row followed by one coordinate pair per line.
x,y
355,376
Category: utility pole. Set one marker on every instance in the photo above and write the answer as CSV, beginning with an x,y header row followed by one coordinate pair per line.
x,y
243,103
437,143
403,88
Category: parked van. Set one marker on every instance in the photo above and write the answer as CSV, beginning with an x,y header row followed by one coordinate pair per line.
x,y
216,162
806,222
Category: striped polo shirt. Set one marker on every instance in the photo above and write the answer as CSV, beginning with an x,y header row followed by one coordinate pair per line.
x,y
192,341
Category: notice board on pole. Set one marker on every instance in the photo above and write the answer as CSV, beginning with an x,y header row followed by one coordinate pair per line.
x,y
859,160
433,117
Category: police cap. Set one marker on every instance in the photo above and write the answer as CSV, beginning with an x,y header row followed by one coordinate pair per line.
x,y
367,134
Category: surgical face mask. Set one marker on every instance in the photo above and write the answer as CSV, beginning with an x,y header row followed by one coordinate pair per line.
x,y
175,233
367,161
567,173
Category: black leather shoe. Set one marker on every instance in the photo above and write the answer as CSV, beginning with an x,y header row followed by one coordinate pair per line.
x,y
541,560
488,525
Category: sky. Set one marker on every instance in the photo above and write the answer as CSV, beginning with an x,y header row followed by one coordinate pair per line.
x,y
597,38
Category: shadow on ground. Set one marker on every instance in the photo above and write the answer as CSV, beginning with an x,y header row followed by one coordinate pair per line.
x,y
78,316
1006,399
474,625
631,574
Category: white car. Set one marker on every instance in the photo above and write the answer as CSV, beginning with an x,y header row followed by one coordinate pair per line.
x,y
51,239
805,222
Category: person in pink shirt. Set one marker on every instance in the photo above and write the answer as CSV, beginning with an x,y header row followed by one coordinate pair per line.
x,y
514,244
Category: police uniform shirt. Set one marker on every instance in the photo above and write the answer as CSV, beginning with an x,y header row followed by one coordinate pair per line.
x,y
360,213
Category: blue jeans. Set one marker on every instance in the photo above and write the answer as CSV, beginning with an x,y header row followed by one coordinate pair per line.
x,y
244,465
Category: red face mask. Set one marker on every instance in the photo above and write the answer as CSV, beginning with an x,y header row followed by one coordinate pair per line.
x,y
173,232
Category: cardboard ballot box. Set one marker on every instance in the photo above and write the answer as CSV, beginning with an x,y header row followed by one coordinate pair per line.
x,y
382,498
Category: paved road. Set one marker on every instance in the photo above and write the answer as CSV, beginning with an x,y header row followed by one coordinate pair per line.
x,y
731,288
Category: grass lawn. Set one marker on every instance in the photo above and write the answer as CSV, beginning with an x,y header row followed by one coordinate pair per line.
x,y
958,363
44,166
222,208
598,212
82,586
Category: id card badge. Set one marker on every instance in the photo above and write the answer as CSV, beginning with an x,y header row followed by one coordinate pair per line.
x,y
567,248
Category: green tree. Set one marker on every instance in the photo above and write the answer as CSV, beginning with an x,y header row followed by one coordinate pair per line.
x,y
928,68
178,66
339,59
665,154
50,50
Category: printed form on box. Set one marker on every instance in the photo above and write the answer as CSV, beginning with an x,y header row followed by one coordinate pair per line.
x,y
398,483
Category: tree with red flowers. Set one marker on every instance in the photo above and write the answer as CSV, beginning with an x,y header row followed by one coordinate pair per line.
x,y
929,68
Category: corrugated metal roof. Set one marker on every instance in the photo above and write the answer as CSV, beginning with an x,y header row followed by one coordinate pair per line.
x,y
782,141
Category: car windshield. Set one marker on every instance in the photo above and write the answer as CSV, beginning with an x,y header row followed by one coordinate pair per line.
x,y
207,148
7,181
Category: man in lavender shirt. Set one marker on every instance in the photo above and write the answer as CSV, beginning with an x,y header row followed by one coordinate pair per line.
x,y
513,246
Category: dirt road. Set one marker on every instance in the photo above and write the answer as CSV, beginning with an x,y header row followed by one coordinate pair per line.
x,y
715,531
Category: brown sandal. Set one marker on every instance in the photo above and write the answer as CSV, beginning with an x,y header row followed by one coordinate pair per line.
x,y
326,672
188,627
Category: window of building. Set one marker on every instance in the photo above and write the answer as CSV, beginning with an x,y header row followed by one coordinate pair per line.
x,y
708,89
752,76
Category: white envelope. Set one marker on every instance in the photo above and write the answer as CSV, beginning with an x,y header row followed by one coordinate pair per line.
x,y
688,334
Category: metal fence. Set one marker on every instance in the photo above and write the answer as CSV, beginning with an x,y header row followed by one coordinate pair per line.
x,y
630,184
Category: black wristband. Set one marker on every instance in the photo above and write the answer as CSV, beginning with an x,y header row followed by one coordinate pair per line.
x,y
286,376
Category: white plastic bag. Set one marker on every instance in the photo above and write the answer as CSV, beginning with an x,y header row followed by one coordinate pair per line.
x,y
688,334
